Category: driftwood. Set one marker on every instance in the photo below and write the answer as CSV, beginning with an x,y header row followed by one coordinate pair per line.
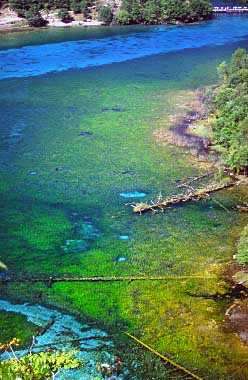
x,y
189,180
44,329
192,195
51,280
242,208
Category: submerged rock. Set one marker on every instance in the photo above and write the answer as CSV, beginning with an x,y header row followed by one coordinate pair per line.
x,y
117,109
113,109
237,319
134,194
85,134
75,246
59,169
86,233
4,275
88,230
128,171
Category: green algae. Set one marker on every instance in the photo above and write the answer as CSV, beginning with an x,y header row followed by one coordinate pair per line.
x,y
14,325
43,211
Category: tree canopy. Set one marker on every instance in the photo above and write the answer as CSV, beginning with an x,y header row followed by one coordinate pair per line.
x,y
131,11
162,11
23,7
231,105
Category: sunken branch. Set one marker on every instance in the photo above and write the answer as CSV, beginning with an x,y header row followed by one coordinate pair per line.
x,y
192,195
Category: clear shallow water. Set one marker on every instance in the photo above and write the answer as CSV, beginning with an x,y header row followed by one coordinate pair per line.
x,y
140,42
71,143
63,334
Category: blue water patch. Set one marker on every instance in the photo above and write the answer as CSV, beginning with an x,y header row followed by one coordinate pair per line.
x,y
120,259
40,59
123,237
134,194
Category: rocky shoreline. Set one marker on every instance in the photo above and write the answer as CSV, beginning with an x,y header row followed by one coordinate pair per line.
x,y
10,22
180,133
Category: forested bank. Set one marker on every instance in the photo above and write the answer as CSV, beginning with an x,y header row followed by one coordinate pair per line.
x,y
229,104
125,12
161,11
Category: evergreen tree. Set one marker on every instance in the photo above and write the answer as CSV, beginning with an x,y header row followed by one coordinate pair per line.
x,y
231,105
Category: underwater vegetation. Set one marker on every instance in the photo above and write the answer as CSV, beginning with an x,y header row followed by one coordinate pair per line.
x,y
87,150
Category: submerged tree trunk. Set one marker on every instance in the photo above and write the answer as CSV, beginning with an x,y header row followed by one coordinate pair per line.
x,y
193,195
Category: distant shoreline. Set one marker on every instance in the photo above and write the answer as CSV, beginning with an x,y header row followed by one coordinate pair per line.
x,y
7,27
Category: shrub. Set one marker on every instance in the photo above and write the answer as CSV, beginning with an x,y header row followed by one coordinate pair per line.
x,y
242,256
35,19
231,104
105,14
123,17
40,366
64,15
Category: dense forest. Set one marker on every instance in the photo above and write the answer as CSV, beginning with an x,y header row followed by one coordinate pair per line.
x,y
162,11
230,106
130,12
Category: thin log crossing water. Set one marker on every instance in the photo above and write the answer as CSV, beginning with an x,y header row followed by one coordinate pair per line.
x,y
52,280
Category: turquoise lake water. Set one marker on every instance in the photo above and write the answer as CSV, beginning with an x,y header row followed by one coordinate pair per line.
x,y
79,113
89,49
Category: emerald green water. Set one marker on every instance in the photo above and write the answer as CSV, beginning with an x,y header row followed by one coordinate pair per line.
x,y
63,214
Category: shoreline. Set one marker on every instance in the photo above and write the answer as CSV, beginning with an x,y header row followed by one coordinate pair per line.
x,y
8,28
184,131
180,135
13,23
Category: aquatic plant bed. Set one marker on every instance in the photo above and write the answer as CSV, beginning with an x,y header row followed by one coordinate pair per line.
x,y
76,138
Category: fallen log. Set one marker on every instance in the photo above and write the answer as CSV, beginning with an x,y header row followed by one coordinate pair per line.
x,y
189,180
242,208
51,280
44,329
193,195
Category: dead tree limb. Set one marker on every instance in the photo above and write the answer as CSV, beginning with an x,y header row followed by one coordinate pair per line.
x,y
193,195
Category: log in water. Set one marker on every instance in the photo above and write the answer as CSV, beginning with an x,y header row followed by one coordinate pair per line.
x,y
193,195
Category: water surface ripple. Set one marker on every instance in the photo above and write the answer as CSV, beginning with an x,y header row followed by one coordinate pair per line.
x,y
40,59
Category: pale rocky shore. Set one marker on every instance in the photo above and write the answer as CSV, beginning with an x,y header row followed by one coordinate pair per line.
x,y
10,21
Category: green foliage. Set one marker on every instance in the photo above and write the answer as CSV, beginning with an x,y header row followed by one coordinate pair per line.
x,y
24,6
14,324
131,12
21,6
59,4
64,15
34,18
40,366
152,12
3,266
79,6
242,256
105,14
123,17
231,104
160,11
